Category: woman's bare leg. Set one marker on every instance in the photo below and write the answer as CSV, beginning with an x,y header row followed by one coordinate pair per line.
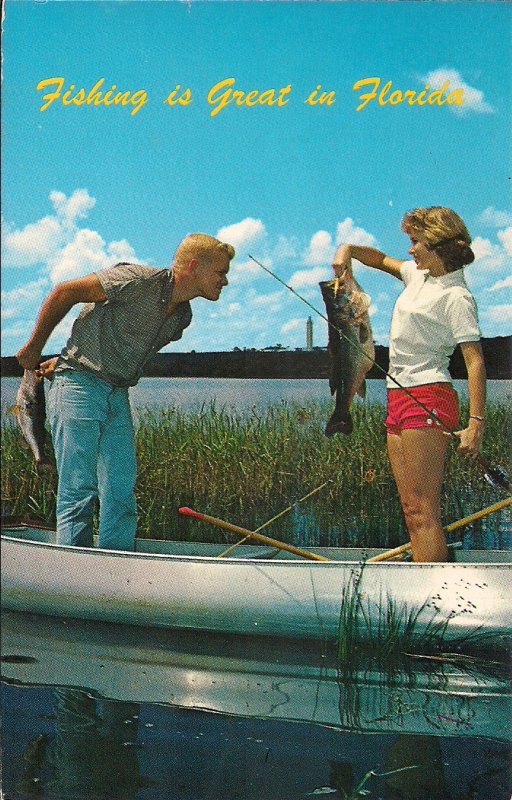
x,y
417,459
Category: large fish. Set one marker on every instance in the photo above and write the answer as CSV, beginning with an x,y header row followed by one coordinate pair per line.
x,y
351,347
30,411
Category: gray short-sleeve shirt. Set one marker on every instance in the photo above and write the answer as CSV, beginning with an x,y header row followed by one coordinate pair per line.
x,y
114,339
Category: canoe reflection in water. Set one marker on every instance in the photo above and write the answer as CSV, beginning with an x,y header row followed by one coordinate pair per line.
x,y
95,711
92,755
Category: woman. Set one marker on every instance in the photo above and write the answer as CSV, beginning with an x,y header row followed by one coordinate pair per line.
x,y
434,313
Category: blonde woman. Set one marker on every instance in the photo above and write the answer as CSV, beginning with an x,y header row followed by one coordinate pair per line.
x,y
434,313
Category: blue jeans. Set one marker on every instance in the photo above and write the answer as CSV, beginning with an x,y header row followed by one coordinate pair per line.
x,y
92,432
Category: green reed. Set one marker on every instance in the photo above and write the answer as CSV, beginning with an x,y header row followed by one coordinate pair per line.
x,y
247,467
389,630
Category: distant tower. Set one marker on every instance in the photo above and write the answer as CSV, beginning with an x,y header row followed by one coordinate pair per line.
x,y
309,334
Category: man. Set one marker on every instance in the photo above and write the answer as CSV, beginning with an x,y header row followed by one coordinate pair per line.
x,y
131,312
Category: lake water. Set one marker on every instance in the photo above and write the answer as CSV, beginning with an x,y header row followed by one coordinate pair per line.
x,y
103,712
99,712
243,394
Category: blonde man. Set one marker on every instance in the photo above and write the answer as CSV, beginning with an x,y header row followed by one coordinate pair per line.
x,y
131,311
433,314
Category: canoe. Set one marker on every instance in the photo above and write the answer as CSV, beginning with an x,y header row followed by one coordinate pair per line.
x,y
257,590
256,677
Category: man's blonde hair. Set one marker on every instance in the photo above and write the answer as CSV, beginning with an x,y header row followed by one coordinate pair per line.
x,y
201,246
444,231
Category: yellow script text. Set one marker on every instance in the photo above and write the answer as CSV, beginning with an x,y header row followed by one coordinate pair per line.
x,y
436,97
222,94
93,97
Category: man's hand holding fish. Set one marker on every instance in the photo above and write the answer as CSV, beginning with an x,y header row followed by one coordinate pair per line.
x,y
129,312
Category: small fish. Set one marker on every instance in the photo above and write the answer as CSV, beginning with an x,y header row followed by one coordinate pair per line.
x,y
30,411
351,347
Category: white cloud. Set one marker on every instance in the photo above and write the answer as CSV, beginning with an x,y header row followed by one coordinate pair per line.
x,y
320,250
25,294
69,209
244,271
57,243
347,231
482,248
489,256
505,238
494,218
19,329
293,325
61,333
383,297
226,310
504,284
309,277
242,234
285,248
321,247
267,299
500,313
33,244
87,253
121,251
84,254
473,98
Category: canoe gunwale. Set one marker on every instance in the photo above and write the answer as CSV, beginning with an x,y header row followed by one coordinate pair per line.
x,y
287,597
247,559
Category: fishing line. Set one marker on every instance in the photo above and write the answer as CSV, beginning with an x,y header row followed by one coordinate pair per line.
x,y
357,347
495,475
291,507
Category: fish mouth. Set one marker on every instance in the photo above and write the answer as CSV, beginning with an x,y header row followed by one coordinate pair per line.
x,y
344,425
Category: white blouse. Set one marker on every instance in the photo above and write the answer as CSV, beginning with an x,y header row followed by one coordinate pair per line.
x,y
430,317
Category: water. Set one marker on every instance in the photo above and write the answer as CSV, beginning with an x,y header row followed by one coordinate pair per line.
x,y
244,394
102,711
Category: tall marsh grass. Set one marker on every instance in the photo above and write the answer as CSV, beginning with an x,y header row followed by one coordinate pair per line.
x,y
247,467
390,629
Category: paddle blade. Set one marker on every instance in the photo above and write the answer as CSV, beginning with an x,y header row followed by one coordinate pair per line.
x,y
189,512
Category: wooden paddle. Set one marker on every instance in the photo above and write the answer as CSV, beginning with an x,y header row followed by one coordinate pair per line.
x,y
228,526
452,527
277,516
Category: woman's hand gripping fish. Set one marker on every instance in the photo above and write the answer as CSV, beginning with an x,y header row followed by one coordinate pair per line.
x,y
350,346
30,411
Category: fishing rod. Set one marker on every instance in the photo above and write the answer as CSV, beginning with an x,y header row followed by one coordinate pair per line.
x,y
496,476
291,507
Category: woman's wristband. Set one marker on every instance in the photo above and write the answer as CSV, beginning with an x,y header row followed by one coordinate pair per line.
x,y
474,416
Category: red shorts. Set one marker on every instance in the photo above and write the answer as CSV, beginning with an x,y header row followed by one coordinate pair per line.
x,y
404,412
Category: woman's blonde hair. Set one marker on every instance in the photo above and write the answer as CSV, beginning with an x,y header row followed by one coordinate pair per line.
x,y
444,231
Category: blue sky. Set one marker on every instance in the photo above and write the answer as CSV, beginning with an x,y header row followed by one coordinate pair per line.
x,y
84,186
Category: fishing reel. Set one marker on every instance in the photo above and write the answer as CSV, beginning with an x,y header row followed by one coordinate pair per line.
x,y
498,478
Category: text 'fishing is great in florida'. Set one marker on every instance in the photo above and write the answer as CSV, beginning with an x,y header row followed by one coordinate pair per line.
x,y
226,93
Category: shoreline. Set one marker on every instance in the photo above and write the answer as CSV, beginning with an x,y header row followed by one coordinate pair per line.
x,y
290,364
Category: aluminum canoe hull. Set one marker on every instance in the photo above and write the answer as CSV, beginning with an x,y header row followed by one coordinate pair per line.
x,y
255,596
